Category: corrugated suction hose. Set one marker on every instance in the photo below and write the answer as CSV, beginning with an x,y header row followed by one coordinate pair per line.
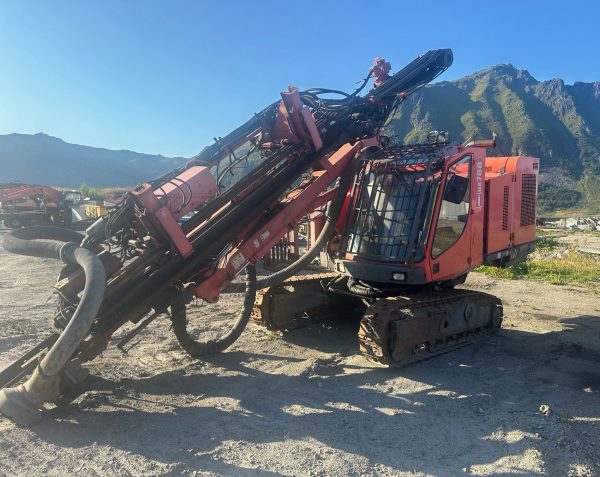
x,y
49,242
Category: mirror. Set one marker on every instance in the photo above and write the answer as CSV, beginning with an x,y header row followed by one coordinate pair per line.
x,y
456,189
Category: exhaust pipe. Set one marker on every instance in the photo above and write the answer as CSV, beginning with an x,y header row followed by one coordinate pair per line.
x,y
23,404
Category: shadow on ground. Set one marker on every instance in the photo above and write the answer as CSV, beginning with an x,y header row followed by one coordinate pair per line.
x,y
401,418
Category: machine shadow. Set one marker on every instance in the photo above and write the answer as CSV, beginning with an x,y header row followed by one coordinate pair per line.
x,y
336,334
442,399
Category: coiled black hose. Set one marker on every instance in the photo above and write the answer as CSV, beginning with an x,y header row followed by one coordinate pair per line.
x,y
196,348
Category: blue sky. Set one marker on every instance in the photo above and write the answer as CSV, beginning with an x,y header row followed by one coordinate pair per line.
x,y
168,76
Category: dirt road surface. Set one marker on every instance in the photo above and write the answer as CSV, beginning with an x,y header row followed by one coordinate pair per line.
x,y
304,403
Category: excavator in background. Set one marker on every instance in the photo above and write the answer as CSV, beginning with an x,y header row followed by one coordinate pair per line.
x,y
398,226
22,205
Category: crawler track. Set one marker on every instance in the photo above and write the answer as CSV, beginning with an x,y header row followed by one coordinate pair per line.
x,y
404,330
393,331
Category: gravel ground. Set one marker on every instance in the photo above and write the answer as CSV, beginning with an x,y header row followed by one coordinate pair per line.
x,y
573,240
304,403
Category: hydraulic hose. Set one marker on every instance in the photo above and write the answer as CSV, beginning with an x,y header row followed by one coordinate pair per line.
x,y
21,241
366,291
331,215
196,348
49,242
363,291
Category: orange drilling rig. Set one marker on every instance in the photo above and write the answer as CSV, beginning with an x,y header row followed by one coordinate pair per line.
x,y
400,226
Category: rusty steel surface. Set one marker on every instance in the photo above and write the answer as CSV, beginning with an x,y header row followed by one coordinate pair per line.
x,y
293,302
23,192
402,330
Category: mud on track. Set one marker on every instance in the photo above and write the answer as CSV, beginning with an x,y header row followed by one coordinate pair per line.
x,y
304,403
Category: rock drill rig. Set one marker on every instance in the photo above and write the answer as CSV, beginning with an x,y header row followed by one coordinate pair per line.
x,y
401,225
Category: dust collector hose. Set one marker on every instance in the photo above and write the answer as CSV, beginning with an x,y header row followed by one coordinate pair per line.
x,y
197,349
44,242
21,241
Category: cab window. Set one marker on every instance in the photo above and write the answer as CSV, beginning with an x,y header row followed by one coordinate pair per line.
x,y
454,211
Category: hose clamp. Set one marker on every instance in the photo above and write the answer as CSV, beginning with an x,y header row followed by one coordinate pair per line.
x,y
67,252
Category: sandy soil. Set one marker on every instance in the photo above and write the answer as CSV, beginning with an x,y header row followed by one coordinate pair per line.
x,y
305,403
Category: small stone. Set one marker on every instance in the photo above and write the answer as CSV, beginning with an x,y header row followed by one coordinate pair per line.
x,y
545,409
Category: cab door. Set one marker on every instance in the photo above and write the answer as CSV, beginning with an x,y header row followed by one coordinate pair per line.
x,y
459,202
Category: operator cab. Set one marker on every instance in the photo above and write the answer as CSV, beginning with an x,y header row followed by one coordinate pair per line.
x,y
417,215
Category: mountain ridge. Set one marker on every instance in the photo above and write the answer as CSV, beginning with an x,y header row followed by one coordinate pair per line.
x,y
558,122
551,119
45,159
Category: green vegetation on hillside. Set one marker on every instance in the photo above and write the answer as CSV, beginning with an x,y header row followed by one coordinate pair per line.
x,y
558,123
590,188
551,198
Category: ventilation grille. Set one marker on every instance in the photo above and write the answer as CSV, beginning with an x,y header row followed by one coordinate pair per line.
x,y
505,208
528,187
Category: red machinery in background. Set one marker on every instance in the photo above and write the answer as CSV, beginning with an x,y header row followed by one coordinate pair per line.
x,y
30,204
403,225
